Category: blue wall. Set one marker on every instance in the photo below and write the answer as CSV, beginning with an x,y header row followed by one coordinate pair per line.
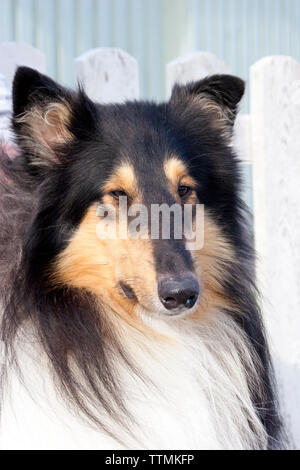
x,y
154,31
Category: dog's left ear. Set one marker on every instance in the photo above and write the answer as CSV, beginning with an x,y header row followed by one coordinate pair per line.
x,y
217,95
47,116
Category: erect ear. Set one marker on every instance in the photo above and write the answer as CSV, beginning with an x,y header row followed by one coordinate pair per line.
x,y
217,95
46,115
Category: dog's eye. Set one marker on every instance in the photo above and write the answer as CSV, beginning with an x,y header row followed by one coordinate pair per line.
x,y
184,191
118,193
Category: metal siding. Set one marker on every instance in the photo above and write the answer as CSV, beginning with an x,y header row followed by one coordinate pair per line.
x,y
138,40
7,32
24,17
66,45
154,84
120,24
46,33
103,18
84,37
154,31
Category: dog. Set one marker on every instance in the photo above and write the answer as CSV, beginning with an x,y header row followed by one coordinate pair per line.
x,y
129,342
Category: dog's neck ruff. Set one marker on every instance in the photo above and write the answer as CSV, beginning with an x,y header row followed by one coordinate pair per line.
x,y
188,390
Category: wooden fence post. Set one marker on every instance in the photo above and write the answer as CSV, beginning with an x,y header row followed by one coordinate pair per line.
x,y
275,113
108,75
13,54
191,67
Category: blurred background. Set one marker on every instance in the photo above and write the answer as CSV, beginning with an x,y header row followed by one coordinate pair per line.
x,y
154,32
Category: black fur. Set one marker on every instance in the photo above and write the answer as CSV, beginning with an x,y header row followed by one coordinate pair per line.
x,y
48,203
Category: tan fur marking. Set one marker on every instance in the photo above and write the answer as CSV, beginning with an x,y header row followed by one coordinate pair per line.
x,y
123,179
177,174
175,169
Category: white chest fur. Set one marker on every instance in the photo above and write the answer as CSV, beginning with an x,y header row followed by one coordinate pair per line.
x,y
189,392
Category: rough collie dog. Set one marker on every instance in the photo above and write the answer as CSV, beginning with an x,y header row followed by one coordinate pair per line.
x,y
128,342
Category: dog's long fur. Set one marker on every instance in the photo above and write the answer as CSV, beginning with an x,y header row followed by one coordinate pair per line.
x,y
140,380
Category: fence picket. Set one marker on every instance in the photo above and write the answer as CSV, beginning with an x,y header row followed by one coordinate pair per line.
x,y
14,54
193,67
275,111
108,75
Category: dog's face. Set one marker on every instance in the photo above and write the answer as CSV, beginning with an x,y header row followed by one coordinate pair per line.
x,y
83,156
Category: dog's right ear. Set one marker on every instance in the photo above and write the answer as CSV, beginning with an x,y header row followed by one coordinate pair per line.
x,y
46,117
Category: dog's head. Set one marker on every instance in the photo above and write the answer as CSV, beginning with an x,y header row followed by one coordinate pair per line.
x,y
87,159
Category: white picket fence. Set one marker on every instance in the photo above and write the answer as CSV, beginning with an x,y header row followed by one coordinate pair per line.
x,y
268,139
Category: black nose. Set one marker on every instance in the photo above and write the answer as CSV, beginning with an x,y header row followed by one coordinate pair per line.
x,y
178,292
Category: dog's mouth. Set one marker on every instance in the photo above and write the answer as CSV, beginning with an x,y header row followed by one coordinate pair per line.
x,y
128,291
